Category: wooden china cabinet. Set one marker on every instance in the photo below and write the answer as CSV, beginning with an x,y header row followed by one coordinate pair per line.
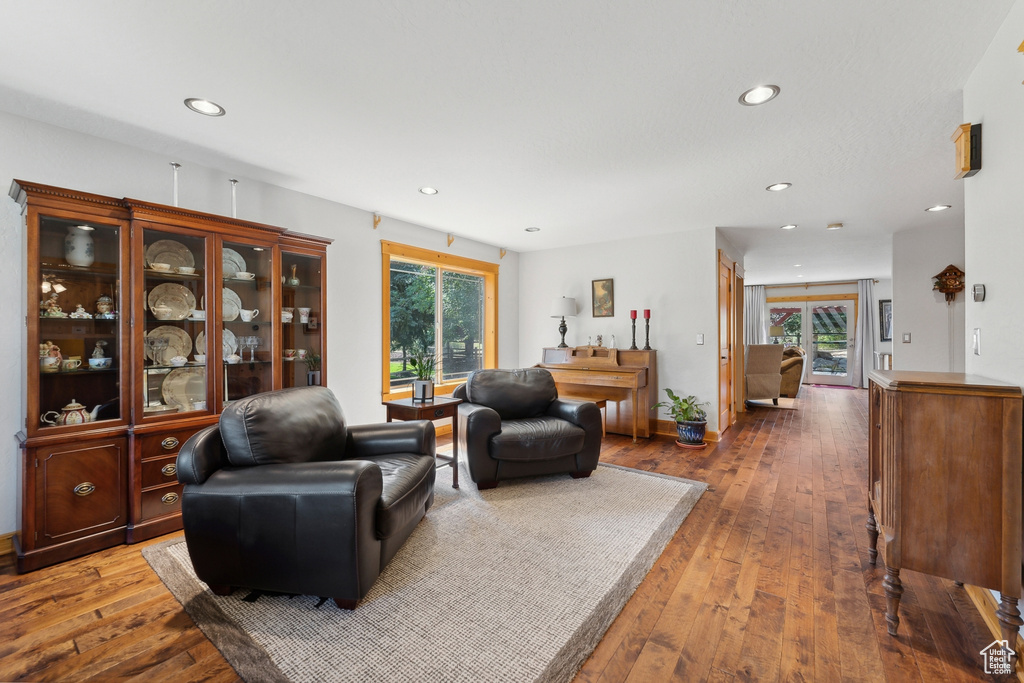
x,y
143,322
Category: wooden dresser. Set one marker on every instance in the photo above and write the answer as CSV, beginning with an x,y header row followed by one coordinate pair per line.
x,y
944,484
626,379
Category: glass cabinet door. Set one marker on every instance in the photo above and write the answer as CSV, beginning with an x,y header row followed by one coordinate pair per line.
x,y
77,295
247,318
174,352
301,317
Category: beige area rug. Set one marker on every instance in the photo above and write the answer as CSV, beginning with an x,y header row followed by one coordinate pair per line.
x,y
784,403
517,583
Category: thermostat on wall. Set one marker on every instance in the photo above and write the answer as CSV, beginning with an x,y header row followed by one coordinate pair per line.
x,y
978,291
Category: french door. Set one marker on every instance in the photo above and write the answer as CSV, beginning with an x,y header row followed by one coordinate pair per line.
x,y
825,329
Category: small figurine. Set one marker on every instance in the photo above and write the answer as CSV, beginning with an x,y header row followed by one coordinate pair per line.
x,y
600,340
80,313
52,309
105,308
612,345
98,351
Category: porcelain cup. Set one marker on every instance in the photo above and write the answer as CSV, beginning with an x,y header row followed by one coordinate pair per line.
x,y
244,275
160,266
178,361
289,353
71,364
247,315
198,315
286,316
300,354
304,315
49,363
99,363
185,270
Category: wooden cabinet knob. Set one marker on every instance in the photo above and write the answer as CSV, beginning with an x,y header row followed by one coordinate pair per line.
x,y
170,498
169,470
169,443
85,488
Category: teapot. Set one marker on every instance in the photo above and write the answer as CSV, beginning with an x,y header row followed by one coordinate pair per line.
x,y
71,414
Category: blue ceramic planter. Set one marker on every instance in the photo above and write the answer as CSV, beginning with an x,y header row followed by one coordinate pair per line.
x,y
691,432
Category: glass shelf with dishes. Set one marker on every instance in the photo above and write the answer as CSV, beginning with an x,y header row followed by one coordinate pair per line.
x,y
174,348
247,330
78,331
301,313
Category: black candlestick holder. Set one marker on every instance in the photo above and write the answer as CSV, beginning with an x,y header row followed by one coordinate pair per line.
x,y
647,334
633,346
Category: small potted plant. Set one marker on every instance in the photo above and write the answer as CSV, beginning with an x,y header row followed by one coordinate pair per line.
x,y
423,364
691,420
312,361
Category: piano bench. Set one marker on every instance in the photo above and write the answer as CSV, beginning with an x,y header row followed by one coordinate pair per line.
x,y
602,405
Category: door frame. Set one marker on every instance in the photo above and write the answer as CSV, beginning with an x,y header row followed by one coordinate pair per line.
x,y
851,327
727,340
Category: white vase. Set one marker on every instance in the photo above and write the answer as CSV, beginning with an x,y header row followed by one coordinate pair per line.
x,y
78,246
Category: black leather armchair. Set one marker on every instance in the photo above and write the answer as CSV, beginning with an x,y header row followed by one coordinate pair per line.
x,y
283,496
512,424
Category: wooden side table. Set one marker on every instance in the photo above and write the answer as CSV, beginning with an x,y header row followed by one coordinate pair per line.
x,y
437,409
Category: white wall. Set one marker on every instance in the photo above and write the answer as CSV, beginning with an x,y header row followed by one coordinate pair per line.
x,y
673,275
994,205
40,153
936,329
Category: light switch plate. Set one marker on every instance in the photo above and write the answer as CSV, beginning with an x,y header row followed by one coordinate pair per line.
x,y
700,340
906,337
976,341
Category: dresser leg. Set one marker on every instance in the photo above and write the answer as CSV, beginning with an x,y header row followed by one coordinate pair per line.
x,y
1009,619
893,592
872,528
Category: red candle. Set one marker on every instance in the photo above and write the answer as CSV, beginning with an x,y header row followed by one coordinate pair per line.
x,y
647,313
632,314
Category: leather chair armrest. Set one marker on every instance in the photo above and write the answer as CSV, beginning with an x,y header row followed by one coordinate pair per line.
x,y
477,424
201,455
415,436
311,517
581,413
790,362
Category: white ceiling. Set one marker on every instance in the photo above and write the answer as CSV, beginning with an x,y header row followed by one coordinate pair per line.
x,y
594,120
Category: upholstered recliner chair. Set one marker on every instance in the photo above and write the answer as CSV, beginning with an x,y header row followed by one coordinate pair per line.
x,y
512,424
283,496
792,371
764,371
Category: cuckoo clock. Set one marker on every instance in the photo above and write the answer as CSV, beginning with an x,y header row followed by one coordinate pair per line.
x,y
949,282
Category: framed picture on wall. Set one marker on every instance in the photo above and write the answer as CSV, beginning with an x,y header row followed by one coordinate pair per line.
x,y
603,298
885,318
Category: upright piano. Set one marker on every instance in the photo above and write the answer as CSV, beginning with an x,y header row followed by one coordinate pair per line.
x,y
626,379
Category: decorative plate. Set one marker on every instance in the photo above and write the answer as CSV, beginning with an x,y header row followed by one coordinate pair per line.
x,y
232,262
171,301
231,303
228,342
174,254
178,344
182,386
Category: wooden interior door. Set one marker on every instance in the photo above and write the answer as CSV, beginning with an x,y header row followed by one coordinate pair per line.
x,y
725,329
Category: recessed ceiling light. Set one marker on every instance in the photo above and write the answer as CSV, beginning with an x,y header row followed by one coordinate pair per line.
x,y
759,95
428,190
779,187
787,227
938,207
834,226
206,107
532,229
798,265
799,275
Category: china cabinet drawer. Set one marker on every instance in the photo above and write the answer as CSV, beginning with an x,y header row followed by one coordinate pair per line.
x,y
164,443
161,501
159,471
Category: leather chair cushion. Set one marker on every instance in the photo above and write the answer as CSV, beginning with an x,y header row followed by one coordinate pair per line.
x,y
302,424
408,483
513,394
539,438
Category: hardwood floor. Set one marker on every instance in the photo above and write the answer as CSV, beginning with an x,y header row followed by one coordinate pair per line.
x,y
767,579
